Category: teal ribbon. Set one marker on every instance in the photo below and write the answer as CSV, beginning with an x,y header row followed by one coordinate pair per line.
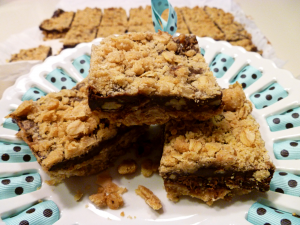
x,y
286,120
287,150
82,65
285,183
158,7
60,79
44,213
260,214
272,94
15,153
247,76
14,186
220,64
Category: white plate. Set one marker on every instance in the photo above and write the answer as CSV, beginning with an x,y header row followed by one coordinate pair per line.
x,y
187,211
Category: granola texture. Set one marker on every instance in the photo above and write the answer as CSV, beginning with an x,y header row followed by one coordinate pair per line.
x,y
232,30
200,24
58,25
87,17
79,34
140,16
114,17
218,158
105,31
39,53
150,78
67,138
150,198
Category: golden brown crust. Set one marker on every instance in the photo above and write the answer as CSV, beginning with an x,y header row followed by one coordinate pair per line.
x,y
39,53
155,65
60,21
200,24
79,34
114,17
67,138
140,16
105,31
87,17
225,145
225,21
141,28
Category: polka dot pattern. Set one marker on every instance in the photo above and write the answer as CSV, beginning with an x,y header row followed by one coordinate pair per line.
x,y
202,51
287,150
247,76
220,64
15,153
33,94
287,183
45,212
10,124
286,120
272,94
60,79
158,7
82,65
14,186
259,214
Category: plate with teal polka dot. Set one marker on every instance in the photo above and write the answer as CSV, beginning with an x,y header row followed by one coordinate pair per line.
x,y
26,198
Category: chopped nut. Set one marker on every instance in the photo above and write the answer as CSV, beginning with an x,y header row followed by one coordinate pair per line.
x,y
149,167
108,193
114,201
128,166
149,197
122,214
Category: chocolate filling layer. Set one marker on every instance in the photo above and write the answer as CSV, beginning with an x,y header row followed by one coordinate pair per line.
x,y
226,180
168,103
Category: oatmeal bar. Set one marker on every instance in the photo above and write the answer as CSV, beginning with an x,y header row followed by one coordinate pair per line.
x,y
114,17
141,28
58,25
149,78
225,21
79,34
87,17
218,158
246,44
39,53
200,24
140,16
105,31
67,138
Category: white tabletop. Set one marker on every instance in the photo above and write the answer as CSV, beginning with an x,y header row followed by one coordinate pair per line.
x,y
278,20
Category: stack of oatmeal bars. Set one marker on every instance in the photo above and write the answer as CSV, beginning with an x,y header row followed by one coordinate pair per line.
x,y
212,146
